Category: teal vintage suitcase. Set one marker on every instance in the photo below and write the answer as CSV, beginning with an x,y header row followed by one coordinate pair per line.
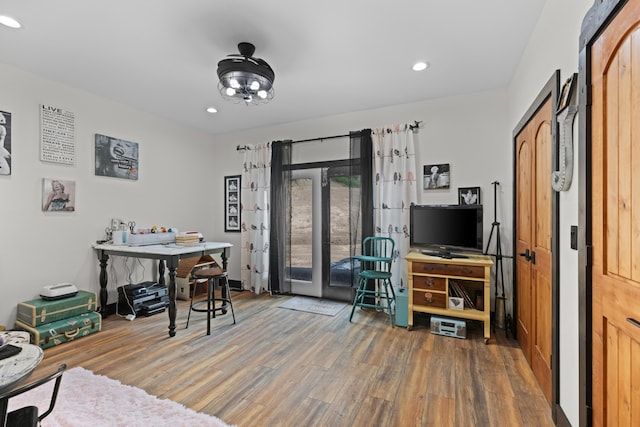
x,y
62,331
38,311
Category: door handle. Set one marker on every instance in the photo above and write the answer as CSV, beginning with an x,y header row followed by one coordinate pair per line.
x,y
526,254
533,257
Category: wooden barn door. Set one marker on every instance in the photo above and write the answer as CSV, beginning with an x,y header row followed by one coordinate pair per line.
x,y
615,78
533,244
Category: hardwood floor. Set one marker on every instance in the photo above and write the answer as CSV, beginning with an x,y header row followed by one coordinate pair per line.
x,y
279,367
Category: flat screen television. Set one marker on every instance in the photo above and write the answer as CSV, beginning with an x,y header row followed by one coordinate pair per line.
x,y
446,230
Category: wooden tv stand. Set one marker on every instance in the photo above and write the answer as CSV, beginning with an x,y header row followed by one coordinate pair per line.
x,y
430,278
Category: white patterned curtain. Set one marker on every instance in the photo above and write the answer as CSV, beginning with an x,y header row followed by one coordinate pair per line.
x,y
394,190
255,195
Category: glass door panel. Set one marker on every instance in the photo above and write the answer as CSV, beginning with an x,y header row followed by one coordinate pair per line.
x,y
305,259
301,227
342,223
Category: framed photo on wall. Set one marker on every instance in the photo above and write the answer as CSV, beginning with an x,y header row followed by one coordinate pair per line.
x,y
232,203
436,176
5,143
469,196
116,158
58,195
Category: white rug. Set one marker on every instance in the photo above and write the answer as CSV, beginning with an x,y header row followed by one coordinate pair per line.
x,y
313,305
86,399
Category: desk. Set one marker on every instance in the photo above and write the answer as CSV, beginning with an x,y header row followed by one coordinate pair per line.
x,y
171,254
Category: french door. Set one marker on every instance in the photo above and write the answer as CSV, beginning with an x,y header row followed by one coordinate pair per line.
x,y
324,230
533,244
615,209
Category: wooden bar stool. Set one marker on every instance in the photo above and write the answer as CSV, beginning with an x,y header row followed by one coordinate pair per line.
x,y
213,276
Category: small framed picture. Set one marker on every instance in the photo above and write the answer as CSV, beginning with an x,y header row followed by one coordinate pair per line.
x,y
469,196
58,195
436,176
232,203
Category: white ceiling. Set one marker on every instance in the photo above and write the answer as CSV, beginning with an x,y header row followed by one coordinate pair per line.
x,y
329,56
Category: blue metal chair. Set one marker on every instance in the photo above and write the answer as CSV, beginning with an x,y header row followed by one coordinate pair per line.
x,y
375,289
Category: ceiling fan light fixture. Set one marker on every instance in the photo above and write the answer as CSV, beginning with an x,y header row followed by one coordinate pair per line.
x,y
243,78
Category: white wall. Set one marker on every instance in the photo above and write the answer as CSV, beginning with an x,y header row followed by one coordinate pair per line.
x,y
469,132
181,176
40,248
554,45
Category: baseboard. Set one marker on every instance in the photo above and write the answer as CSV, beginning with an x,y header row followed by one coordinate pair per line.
x,y
561,418
109,309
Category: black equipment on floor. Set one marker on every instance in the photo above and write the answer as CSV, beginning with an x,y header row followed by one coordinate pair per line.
x,y
146,298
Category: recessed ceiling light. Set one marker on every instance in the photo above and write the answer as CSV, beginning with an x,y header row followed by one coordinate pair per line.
x,y
211,110
419,66
9,22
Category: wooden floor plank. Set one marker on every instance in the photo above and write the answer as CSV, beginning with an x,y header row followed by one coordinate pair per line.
x,y
283,367
439,411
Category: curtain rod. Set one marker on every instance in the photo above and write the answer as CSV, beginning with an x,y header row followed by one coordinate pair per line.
x,y
244,147
326,137
414,126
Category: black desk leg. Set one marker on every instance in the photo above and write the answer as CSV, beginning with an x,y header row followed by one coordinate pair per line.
x,y
209,301
104,258
224,259
161,272
172,301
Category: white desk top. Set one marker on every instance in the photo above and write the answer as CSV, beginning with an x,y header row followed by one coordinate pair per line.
x,y
163,250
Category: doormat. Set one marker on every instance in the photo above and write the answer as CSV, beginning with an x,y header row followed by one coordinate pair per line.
x,y
313,305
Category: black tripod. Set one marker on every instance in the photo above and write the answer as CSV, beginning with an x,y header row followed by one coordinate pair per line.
x,y
495,226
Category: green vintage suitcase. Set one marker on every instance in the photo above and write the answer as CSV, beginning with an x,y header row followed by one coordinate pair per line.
x,y
38,311
62,331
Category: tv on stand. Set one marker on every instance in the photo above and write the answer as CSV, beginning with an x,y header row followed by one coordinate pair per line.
x,y
447,231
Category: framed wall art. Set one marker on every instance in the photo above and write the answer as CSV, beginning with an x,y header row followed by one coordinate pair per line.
x,y
58,195
232,203
5,143
469,196
116,158
436,176
57,135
